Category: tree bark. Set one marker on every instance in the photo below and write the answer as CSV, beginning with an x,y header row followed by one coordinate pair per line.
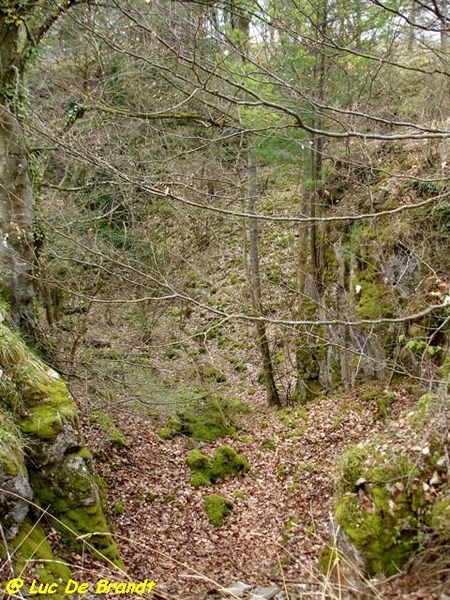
x,y
273,397
16,215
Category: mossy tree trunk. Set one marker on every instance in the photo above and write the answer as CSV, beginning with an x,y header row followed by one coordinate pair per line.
x,y
16,198
16,210
23,25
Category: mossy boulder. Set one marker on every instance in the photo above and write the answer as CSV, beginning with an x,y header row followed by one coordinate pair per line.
x,y
217,508
392,492
201,467
42,456
32,548
71,494
204,420
225,462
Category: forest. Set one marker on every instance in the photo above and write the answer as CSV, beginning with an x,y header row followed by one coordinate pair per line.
x,y
225,299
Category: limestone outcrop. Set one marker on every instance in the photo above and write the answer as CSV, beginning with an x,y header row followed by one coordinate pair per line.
x,y
43,464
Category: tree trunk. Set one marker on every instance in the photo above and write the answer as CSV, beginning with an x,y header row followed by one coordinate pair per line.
x,y
16,203
16,194
273,397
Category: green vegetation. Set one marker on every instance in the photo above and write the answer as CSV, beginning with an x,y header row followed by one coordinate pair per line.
x,y
268,444
113,435
225,462
382,505
72,497
32,547
217,508
205,420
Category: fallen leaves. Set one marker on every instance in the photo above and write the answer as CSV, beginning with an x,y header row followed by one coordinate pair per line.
x,y
164,533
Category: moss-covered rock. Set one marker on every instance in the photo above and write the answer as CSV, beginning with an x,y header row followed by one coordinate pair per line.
x,y
15,490
391,492
201,467
217,508
31,544
112,434
40,445
71,494
225,462
205,420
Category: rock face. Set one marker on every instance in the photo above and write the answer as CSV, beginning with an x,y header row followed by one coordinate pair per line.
x,y
393,492
41,453
369,271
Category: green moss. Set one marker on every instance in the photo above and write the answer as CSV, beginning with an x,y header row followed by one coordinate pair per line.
x,y
374,300
166,433
113,435
11,461
71,496
226,461
440,519
64,486
268,444
31,544
282,470
198,461
384,546
118,508
207,419
200,480
46,419
328,559
382,503
201,468
217,508
349,468
239,494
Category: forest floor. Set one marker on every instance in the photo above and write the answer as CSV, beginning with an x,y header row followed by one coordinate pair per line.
x,y
282,507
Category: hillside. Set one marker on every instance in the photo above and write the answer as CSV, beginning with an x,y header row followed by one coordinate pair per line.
x,y
225,229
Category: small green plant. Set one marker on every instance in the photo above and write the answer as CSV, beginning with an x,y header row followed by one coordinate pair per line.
x,y
418,346
290,528
118,508
282,470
